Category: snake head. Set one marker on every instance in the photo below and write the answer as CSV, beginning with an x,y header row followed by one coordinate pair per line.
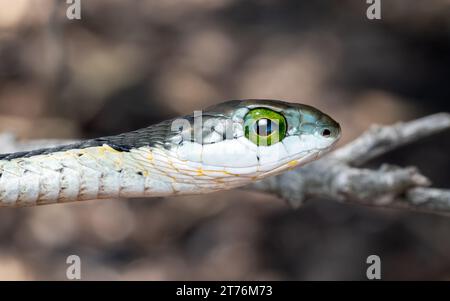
x,y
256,138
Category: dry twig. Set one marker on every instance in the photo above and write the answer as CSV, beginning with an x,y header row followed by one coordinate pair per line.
x,y
338,177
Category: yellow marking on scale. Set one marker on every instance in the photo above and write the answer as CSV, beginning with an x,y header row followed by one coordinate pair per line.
x,y
108,148
292,164
100,151
118,163
231,174
212,171
150,156
75,152
105,148
200,172
173,166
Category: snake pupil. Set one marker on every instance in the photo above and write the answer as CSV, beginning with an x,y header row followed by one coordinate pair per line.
x,y
264,127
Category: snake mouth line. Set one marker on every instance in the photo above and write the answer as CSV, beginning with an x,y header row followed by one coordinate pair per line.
x,y
159,161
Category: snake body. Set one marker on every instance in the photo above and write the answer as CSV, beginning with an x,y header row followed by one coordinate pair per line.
x,y
226,146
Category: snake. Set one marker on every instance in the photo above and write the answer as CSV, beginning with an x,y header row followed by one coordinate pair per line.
x,y
222,147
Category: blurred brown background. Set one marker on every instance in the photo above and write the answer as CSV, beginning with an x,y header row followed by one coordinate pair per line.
x,y
128,64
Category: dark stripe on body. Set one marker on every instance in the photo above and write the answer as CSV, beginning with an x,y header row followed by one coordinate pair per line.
x,y
62,148
155,135
158,135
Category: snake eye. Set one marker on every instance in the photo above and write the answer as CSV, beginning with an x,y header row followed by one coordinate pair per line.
x,y
264,126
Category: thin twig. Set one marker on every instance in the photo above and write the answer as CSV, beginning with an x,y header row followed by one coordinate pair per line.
x,y
334,176
382,139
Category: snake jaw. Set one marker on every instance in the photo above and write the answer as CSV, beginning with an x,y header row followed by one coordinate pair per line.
x,y
309,134
166,159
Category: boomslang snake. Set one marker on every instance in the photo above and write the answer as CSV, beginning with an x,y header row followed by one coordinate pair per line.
x,y
225,146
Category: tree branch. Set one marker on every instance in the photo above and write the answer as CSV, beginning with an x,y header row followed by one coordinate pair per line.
x,y
335,177
382,139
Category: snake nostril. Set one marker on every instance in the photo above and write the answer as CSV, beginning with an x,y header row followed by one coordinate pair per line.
x,y
326,133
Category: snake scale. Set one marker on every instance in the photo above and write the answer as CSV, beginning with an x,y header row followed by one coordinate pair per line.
x,y
225,146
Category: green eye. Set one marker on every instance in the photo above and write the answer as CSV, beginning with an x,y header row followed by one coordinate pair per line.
x,y
264,126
